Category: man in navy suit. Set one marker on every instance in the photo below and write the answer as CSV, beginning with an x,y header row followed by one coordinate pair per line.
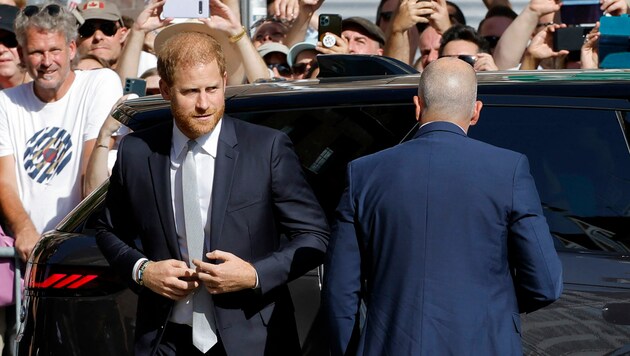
x,y
443,238
257,192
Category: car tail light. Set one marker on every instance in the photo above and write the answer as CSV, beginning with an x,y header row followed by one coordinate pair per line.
x,y
65,280
62,280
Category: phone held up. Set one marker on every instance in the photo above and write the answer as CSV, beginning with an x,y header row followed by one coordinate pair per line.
x,y
135,85
329,23
186,8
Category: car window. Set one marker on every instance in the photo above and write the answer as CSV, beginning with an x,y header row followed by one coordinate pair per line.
x,y
580,162
326,139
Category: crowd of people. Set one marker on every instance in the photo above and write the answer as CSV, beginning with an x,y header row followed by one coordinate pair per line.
x,y
62,71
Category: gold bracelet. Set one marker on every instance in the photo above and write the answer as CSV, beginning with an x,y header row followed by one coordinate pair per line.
x,y
238,36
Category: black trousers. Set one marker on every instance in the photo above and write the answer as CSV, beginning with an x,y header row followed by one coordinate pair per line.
x,y
177,341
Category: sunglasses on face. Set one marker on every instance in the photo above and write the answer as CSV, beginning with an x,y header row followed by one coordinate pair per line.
x,y
8,41
32,10
283,69
108,28
300,68
470,59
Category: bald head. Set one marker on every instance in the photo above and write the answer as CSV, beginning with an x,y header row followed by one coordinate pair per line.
x,y
448,92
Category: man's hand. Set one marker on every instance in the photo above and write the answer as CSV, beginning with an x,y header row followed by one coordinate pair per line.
x,y
589,53
543,7
614,7
541,46
485,62
231,274
411,12
25,241
340,47
440,20
223,19
170,278
149,18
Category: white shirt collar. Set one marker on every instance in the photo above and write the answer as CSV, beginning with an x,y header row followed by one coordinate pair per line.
x,y
208,142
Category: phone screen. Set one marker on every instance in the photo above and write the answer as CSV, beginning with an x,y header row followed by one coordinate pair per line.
x,y
186,9
578,12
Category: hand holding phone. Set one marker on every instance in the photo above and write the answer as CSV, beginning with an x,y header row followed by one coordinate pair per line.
x,y
329,23
135,86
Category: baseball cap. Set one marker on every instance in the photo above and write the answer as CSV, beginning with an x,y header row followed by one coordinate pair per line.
x,y
100,10
270,47
8,14
371,30
296,49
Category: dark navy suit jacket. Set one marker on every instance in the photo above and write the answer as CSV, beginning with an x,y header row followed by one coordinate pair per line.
x,y
448,235
259,192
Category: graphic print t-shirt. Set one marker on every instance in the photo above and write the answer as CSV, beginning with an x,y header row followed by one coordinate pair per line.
x,y
46,140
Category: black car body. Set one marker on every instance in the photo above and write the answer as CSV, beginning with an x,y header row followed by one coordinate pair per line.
x,y
572,125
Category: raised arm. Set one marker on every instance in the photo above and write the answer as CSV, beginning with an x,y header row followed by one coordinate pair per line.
x,y
148,20
408,14
297,30
225,21
514,41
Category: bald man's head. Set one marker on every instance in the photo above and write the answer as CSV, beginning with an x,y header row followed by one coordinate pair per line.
x,y
448,91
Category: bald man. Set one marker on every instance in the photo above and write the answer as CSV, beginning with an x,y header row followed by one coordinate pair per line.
x,y
443,238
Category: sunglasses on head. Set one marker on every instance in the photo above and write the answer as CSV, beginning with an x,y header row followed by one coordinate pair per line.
x,y
470,59
9,41
32,10
108,28
283,69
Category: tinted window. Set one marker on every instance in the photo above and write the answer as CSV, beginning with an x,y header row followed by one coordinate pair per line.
x,y
580,161
327,139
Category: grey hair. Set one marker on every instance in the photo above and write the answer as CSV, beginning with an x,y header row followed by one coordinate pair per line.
x,y
64,22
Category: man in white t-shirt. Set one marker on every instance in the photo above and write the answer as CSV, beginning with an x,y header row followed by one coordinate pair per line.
x,y
48,126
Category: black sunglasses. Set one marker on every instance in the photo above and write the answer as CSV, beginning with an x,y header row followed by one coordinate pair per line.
x,y
470,59
299,68
108,28
9,41
283,69
31,10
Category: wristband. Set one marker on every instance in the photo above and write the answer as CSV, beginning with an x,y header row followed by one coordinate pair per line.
x,y
103,146
143,266
238,36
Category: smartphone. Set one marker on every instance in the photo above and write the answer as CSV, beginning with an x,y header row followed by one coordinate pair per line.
x,y
186,8
580,12
329,23
570,38
135,85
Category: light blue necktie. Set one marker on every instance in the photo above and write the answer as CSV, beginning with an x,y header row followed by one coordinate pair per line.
x,y
204,331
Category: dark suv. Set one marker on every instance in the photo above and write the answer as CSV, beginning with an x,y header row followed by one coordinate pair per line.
x,y
572,125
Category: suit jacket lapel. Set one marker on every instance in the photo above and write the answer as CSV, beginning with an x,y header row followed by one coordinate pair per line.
x,y
159,170
224,167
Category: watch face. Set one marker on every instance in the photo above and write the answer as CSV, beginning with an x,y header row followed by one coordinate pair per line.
x,y
329,41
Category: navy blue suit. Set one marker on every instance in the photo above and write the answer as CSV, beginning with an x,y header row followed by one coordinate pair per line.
x,y
444,239
259,192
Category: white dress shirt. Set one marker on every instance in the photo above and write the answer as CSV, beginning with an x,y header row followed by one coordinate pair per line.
x,y
205,154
